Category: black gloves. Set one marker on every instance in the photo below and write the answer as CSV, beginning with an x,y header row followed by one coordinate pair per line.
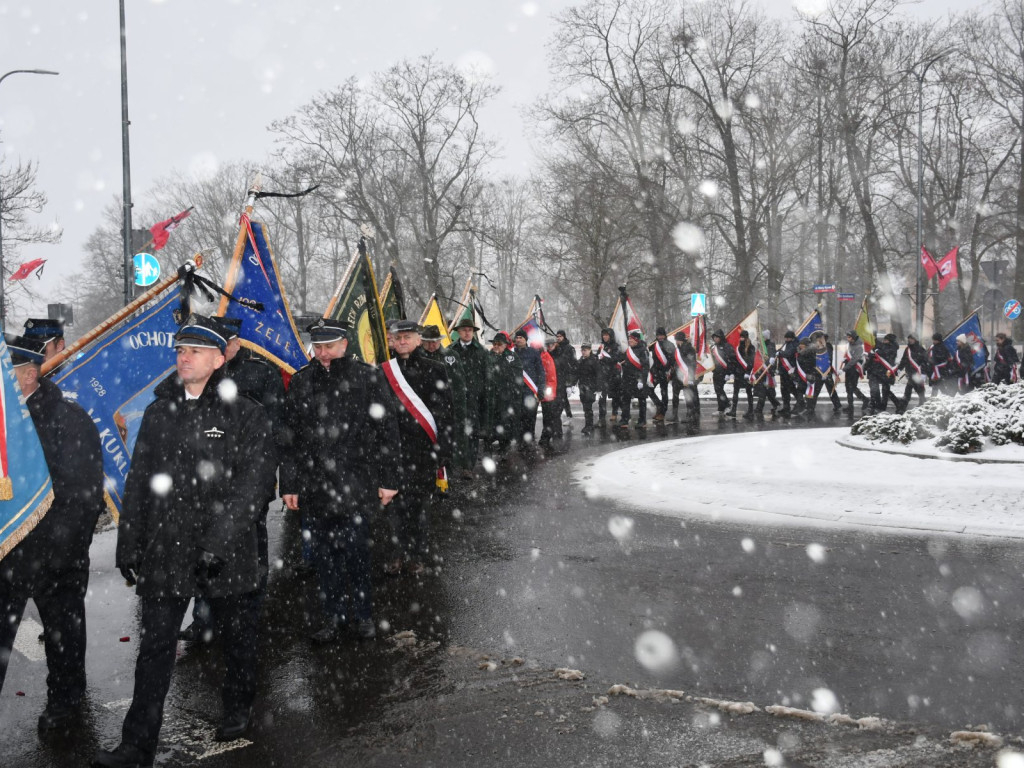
x,y
130,571
208,567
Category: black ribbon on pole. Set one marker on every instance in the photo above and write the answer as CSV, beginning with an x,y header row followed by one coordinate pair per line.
x,y
303,193
191,282
475,302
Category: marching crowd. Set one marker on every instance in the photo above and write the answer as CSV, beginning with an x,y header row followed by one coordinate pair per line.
x,y
345,442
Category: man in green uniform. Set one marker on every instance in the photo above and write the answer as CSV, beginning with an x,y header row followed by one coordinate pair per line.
x,y
474,367
430,340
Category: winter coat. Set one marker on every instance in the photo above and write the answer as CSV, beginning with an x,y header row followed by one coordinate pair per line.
x,y
689,355
474,368
505,396
964,359
915,357
633,377
567,354
807,361
662,371
724,356
875,369
1004,360
421,457
532,367
218,454
258,380
942,365
854,357
609,355
71,448
745,356
787,358
588,372
457,384
337,444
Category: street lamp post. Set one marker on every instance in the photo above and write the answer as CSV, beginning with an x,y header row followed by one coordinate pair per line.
x,y
919,294
3,304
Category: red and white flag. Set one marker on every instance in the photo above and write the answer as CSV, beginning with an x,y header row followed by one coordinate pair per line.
x,y
948,269
26,269
749,324
931,269
161,232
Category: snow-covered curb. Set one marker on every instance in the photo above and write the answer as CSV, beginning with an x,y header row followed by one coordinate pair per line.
x,y
921,449
805,478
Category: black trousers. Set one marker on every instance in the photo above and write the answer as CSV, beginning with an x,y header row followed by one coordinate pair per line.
x,y
881,392
587,398
409,517
551,420
660,402
852,390
790,389
913,386
236,624
60,599
612,391
529,423
740,383
691,399
718,379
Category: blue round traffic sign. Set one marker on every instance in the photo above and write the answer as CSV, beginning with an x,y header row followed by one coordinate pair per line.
x,y
147,269
1012,309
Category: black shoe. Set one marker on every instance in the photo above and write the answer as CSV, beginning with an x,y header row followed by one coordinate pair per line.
x,y
366,629
326,636
233,726
56,719
194,633
125,756
640,424
731,414
750,415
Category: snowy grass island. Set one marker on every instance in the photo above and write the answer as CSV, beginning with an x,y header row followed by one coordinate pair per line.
x,y
805,478
987,423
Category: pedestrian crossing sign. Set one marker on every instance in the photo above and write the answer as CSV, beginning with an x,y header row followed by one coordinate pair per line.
x,y
698,304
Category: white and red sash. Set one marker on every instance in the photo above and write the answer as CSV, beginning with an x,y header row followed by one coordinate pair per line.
x,y
684,376
936,367
530,383
809,390
914,363
660,354
631,356
739,357
885,363
719,360
849,358
602,354
407,396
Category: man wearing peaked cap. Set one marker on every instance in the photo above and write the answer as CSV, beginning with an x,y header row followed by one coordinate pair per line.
x,y
431,342
474,366
202,470
261,382
49,331
340,462
51,564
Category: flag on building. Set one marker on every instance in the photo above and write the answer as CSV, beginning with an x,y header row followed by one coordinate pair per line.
x,y
432,315
864,328
253,280
947,267
971,328
357,303
161,231
26,491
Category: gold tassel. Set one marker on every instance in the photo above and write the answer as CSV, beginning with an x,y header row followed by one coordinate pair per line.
x,y
6,489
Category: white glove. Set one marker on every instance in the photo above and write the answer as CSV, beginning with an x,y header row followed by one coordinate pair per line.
x,y
748,377
640,385
771,361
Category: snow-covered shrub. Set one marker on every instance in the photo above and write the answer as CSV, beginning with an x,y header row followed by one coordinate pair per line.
x,y
963,424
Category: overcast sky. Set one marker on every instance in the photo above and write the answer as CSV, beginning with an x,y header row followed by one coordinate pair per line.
x,y
206,77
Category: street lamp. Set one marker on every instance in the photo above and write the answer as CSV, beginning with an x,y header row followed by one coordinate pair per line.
x,y
3,305
919,295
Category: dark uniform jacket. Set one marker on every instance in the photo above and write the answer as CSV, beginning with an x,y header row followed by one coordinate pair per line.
x,y
632,376
725,359
915,354
504,396
662,371
588,374
745,357
567,353
787,358
258,380
474,368
533,367
219,457
609,354
335,442
420,457
942,365
808,362
71,446
875,369
689,354
1005,358
457,385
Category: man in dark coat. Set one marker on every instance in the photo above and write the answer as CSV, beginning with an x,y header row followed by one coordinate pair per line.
x,y
635,368
792,386
474,367
963,359
743,374
881,370
853,371
421,399
535,381
808,375
202,471
259,381
588,372
764,379
51,564
609,355
725,365
1006,363
505,398
662,365
914,364
567,353
340,461
430,340
684,379
944,371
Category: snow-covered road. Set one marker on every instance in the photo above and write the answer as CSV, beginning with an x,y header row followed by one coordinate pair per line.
x,y
805,478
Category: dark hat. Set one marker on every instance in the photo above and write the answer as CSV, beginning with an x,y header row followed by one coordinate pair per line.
x,y
660,331
44,328
201,331
500,338
508,339
521,334
430,333
326,329
744,334
891,337
911,336
586,345
465,323
680,336
405,326
550,340
232,327
719,333
852,334
936,337
636,334
561,333
789,335
25,350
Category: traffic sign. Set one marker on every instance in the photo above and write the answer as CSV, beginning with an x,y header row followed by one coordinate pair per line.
x,y
147,269
825,288
846,296
1012,309
698,304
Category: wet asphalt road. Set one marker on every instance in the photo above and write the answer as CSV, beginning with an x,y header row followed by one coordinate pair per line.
x,y
918,630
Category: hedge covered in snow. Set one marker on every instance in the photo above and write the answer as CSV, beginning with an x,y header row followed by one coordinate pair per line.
x,y
990,415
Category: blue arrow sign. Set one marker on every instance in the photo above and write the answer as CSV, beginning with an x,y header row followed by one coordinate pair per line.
x,y
147,269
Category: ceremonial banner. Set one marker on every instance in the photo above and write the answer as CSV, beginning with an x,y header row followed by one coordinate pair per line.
x,y
865,329
467,310
253,279
113,378
432,315
971,328
357,303
751,324
25,488
696,331
534,325
947,267
811,325
161,232
392,301
931,269
624,318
